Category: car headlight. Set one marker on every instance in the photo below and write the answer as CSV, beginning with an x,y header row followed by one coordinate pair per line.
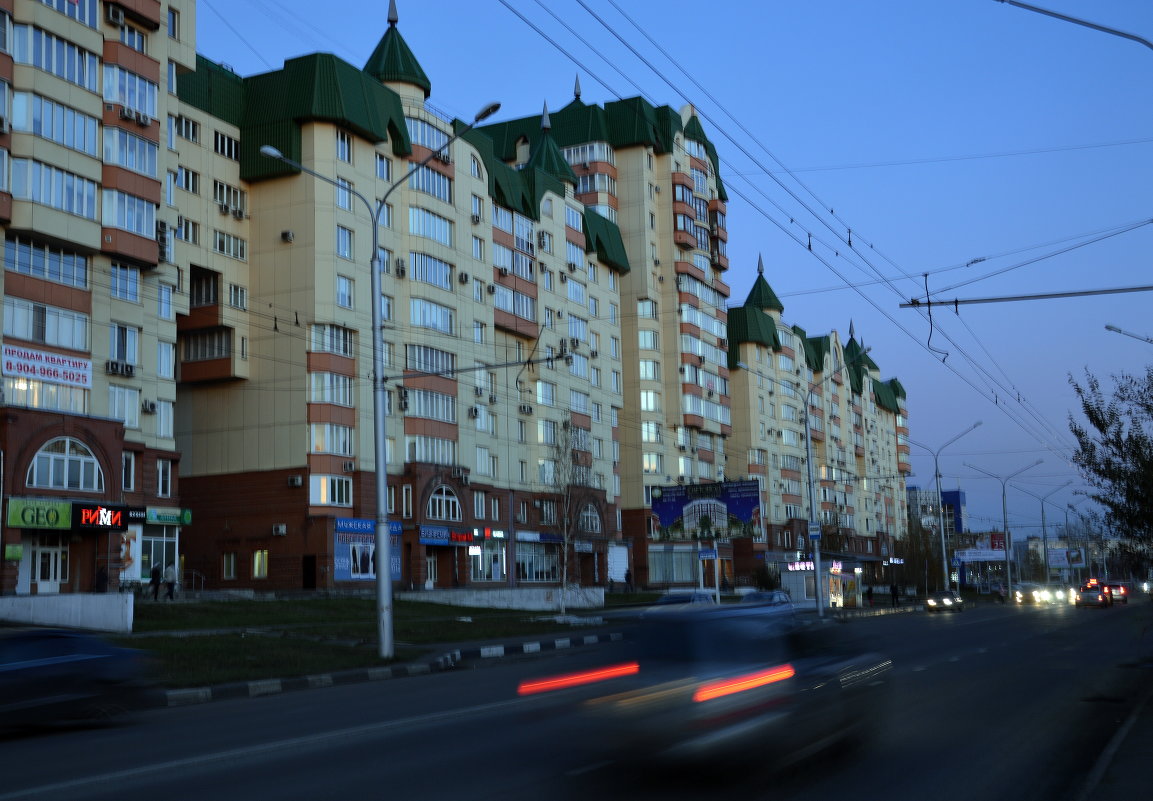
x,y
932,602
947,602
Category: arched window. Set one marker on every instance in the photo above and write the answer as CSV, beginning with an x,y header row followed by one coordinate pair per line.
x,y
443,505
65,463
590,521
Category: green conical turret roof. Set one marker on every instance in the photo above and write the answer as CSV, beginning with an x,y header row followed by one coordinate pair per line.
x,y
393,62
762,296
546,155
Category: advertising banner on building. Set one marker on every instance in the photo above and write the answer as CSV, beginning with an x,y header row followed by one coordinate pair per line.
x,y
723,509
354,549
55,368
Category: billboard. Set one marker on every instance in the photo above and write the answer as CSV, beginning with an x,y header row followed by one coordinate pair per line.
x,y
725,509
1067,557
354,549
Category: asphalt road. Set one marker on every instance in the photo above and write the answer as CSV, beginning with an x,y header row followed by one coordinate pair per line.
x,y
999,702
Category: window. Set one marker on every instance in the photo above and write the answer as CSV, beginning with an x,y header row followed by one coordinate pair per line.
x,y
343,193
429,270
343,242
188,180
166,360
424,223
128,471
332,339
443,505
431,182
164,301
173,24
31,45
590,521
226,146
130,90
124,404
260,563
164,418
228,566
331,438
43,261
50,186
329,490
383,168
164,478
426,314
124,283
330,388
650,401
237,296
65,463
344,146
344,287
229,245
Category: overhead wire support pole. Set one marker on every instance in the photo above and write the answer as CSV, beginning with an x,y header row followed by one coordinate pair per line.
x,y
1083,23
916,303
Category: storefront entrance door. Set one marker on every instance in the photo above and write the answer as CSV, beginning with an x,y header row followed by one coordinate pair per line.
x,y
430,571
49,564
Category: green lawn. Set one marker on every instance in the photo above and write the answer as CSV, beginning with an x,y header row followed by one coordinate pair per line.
x,y
199,644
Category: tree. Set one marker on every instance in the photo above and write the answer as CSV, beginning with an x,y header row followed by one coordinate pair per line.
x,y
1115,451
570,478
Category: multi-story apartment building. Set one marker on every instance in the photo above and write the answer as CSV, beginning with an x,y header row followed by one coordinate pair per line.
x,y
501,339
91,293
556,337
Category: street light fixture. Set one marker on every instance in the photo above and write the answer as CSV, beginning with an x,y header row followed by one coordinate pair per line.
x,y
1005,512
814,524
1044,530
379,396
940,501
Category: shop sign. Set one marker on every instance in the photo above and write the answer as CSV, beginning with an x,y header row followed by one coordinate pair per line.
x,y
800,566
39,513
99,517
354,549
13,552
582,546
54,368
167,516
536,536
443,535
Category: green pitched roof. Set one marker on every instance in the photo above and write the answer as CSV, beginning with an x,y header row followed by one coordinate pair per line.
x,y
213,88
547,158
750,324
393,62
886,397
604,237
762,296
310,88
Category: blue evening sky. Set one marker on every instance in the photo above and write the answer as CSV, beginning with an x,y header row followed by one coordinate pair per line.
x,y
939,132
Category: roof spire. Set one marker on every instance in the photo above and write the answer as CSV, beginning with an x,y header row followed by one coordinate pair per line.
x,y
760,264
545,124
852,329
577,88
393,18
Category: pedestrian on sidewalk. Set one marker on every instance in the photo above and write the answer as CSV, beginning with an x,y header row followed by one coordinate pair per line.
x,y
154,582
170,581
869,595
893,593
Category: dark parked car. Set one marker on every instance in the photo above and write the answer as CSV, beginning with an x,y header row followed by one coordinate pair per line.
x,y
944,601
53,675
731,682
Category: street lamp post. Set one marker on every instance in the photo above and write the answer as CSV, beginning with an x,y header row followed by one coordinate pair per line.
x,y
1044,530
1005,513
940,501
379,395
814,523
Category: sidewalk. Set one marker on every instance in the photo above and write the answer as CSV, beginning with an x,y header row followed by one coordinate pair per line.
x,y
1123,768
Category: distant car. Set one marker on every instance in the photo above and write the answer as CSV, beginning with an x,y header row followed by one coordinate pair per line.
x,y
54,675
1119,590
731,682
944,601
686,597
1029,593
1095,595
767,598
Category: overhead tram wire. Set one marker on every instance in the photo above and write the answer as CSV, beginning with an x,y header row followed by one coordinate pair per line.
x,y
982,393
741,148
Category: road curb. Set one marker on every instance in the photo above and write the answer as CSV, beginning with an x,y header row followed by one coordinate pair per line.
x,y
446,661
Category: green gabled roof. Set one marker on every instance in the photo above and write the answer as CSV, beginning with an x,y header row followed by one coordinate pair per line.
x,y
694,131
547,158
885,396
749,324
213,88
816,349
634,121
712,151
762,296
858,364
393,62
513,189
604,237
898,388
310,88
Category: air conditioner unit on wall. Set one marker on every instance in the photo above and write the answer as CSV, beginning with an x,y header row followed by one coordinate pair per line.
x,y
296,481
525,408
476,219
148,406
279,529
114,14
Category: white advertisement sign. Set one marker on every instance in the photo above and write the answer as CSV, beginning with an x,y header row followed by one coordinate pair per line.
x,y
54,368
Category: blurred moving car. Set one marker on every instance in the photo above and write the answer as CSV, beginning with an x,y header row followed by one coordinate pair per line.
x,y
686,597
944,601
732,682
1094,595
1027,593
54,675
767,598
1119,590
